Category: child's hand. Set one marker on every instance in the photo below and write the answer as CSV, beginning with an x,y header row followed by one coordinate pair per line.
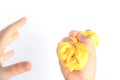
x,y
8,35
88,73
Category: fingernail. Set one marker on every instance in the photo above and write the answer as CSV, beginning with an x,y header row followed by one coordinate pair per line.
x,y
73,33
27,66
80,35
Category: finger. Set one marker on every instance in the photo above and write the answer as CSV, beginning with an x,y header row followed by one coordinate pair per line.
x,y
84,39
11,38
1,49
87,41
14,26
1,53
7,56
8,40
73,33
14,36
17,69
67,39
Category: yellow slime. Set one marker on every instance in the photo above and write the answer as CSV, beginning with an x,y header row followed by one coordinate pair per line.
x,y
75,57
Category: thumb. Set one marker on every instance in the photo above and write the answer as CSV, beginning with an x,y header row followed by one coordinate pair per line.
x,y
84,39
16,69
81,38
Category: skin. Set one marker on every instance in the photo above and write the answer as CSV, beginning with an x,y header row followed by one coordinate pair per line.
x,y
88,73
7,36
10,33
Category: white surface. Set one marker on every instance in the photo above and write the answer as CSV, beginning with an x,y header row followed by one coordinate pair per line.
x,y
51,20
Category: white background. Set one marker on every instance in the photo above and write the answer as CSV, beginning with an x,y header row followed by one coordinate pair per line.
x,y
51,20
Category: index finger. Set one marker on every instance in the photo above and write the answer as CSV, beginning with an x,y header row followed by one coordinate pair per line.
x,y
16,25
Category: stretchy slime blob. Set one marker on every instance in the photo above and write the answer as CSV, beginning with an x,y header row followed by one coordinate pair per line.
x,y
75,57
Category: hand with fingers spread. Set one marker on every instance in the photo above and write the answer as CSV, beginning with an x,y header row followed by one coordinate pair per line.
x,y
7,36
87,70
